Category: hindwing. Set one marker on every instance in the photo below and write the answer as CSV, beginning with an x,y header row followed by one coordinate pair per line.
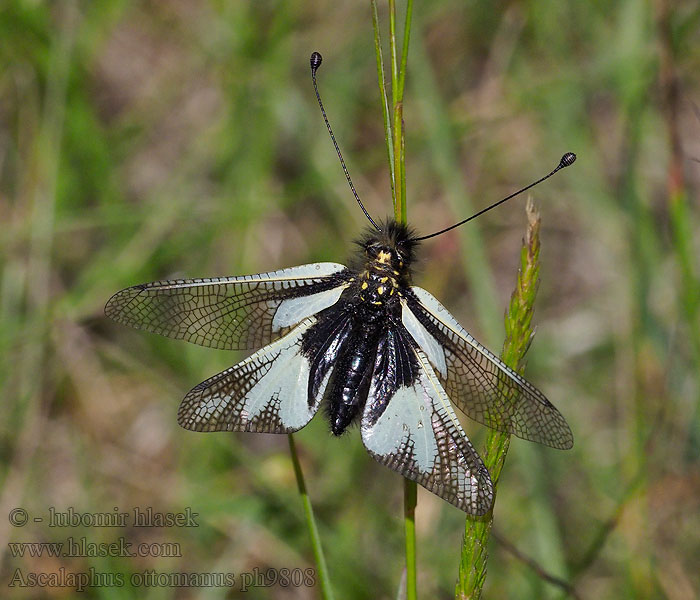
x,y
409,425
268,392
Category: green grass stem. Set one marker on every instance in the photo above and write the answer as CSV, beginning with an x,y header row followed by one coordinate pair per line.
x,y
386,113
519,333
322,569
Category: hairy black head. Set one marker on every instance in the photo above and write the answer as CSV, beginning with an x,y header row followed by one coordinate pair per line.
x,y
396,243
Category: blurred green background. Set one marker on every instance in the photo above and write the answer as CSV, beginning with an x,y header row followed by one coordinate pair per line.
x,y
152,140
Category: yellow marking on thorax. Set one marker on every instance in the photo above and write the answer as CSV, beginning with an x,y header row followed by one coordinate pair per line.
x,y
379,277
384,257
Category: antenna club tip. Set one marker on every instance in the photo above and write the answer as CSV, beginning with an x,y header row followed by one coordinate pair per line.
x,y
567,160
315,61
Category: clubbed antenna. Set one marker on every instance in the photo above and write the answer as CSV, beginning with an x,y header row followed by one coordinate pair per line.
x,y
567,160
315,61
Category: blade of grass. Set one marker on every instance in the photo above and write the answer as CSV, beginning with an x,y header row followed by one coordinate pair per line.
x,y
689,296
398,107
519,333
323,577
385,103
397,112
404,49
410,500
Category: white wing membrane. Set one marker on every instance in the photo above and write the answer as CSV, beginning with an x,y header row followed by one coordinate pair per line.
x,y
479,383
293,311
418,435
230,313
406,420
427,342
267,392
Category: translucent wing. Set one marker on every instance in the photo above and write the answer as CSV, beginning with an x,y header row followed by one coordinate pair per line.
x,y
478,382
230,313
409,425
267,392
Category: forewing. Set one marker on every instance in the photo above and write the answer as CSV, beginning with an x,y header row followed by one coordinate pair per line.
x,y
266,393
477,381
230,313
409,425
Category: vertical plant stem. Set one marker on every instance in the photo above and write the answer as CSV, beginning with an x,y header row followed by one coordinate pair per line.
x,y
398,109
323,578
398,76
519,333
394,135
392,52
404,49
385,102
397,121
393,119
410,500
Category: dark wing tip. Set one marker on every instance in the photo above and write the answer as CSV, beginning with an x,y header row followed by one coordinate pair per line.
x,y
567,440
186,411
184,420
559,437
118,304
557,434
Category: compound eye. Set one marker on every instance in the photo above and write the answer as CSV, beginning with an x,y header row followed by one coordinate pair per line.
x,y
372,250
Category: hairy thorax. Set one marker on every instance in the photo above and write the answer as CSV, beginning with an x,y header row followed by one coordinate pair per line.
x,y
380,281
383,271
